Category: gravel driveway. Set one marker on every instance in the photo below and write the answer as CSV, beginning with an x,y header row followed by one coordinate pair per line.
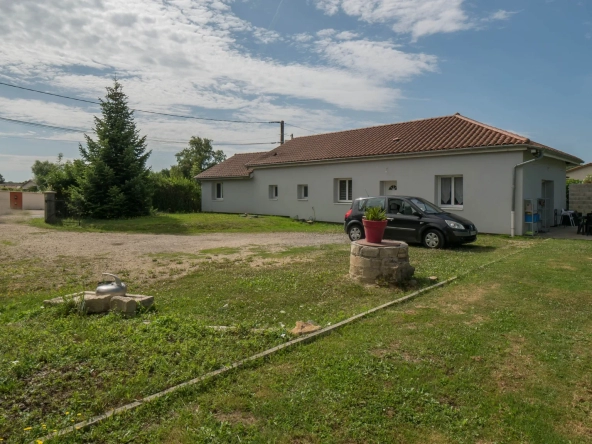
x,y
140,256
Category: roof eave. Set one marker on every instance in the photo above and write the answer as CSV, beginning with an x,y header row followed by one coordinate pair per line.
x,y
223,177
432,153
568,158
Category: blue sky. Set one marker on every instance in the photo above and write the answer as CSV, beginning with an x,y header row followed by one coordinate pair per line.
x,y
324,65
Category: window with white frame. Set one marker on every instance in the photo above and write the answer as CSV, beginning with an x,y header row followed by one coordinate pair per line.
x,y
218,193
302,192
450,191
273,192
344,190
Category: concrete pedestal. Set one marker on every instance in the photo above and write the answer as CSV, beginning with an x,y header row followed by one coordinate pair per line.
x,y
386,262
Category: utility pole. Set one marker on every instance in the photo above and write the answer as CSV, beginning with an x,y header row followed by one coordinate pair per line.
x,y
282,132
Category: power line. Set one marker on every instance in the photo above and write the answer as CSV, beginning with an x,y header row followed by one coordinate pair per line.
x,y
296,126
41,125
139,110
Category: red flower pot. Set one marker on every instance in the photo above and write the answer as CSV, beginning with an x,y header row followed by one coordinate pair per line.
x,y
374,230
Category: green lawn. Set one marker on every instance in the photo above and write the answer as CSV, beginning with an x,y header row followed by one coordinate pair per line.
x,y
503,355
194,223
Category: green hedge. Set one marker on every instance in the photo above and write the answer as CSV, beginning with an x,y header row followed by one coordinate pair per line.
x,y
176,194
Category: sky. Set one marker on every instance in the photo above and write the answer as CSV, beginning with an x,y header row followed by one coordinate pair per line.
x,y
319,65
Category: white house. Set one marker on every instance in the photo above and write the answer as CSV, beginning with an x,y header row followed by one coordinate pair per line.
x,y
483,173
580,172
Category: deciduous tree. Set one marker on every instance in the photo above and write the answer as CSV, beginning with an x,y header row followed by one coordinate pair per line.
x,y
197,157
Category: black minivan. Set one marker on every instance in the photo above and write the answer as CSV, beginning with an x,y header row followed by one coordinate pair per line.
x,y
413,220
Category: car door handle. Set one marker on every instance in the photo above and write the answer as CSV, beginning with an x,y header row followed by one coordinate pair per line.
x,y
390,219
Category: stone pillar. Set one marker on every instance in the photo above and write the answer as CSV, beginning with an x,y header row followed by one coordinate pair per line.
x,y
385,262
50,207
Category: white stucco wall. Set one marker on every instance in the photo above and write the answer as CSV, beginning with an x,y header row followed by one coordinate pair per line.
x,y
4,202
580,173
487,181
33,201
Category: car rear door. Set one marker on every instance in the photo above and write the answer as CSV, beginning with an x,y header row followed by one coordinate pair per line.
x,y
403,220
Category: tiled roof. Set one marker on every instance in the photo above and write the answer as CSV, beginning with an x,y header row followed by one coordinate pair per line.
x,y
438,134
419,136
232,167
578,167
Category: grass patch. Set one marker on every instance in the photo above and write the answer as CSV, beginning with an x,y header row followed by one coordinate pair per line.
x,y
53,363
8,243
503,355
221,250
195,223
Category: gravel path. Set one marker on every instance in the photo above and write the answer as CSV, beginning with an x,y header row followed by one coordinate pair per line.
x,y
134,254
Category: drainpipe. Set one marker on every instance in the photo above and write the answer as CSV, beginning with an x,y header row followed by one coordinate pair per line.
x,y
538,154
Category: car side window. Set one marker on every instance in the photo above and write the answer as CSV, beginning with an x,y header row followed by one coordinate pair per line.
x,y
362,205
399,206
374,202
394,206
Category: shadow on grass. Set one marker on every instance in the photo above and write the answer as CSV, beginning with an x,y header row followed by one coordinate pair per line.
x,y
162,224
469,248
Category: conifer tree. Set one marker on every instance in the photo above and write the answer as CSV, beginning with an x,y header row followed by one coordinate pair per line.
x,y
115,183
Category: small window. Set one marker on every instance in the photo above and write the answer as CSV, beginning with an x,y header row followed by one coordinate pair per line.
x,y
302,192
273,192
450,191
345,187
218,191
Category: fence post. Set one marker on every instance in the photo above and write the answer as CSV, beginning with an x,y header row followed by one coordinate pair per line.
x,y
50,207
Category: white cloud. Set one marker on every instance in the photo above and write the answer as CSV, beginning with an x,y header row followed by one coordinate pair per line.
x,y
346,35
190,57
416,17
183,52
500,15
378,60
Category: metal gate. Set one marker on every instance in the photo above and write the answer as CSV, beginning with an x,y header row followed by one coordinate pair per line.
x,y
16,200
61,209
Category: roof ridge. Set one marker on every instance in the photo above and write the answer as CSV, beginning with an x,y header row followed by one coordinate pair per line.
x,y
254,152
373,126
493,128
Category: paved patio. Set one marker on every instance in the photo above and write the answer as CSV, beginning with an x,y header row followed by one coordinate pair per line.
x,y
561,232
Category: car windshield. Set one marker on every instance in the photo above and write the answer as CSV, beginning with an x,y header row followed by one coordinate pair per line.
x,y
425,206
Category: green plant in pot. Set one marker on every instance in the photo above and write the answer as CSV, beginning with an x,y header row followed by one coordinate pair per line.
x,y
374,221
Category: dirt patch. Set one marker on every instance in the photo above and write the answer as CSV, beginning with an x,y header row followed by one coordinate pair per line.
x,y
560,266
82,257
456,300
394,351
237,417
515,366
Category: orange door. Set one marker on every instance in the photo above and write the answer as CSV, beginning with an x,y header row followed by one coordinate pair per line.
x,y
16,200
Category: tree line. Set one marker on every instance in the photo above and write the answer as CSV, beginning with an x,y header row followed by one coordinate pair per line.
x,y
111,179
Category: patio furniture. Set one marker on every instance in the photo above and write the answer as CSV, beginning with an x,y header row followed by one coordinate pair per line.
x,y
567,215
588,224
582,224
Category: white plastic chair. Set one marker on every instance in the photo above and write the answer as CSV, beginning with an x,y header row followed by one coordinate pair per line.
x,y
569,214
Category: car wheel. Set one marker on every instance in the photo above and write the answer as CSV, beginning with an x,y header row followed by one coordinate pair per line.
x,y
355,232
433,239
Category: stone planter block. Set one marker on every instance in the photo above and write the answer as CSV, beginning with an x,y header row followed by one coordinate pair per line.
x,y
123,305
385,262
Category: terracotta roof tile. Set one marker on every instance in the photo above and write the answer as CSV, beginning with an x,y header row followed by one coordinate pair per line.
x,y
235,166
428,135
